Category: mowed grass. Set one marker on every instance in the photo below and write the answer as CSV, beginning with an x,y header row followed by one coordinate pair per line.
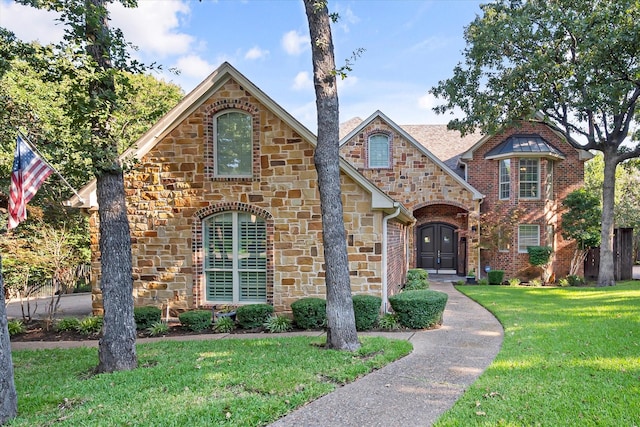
x,y
571,356
239,382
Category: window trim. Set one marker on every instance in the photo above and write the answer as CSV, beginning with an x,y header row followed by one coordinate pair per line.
x,y
235,268
388,151
520,237
522,181
504,179
216,173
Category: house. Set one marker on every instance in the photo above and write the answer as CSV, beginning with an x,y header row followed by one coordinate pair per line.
x,y
224,207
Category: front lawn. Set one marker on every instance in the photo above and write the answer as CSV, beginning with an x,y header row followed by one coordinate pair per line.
x,y
571,356
239,382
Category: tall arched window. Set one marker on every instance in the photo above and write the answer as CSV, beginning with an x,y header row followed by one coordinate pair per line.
x,y
235,264
378,151
233,133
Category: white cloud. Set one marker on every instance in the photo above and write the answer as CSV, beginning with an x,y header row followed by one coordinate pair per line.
x,y
29,23
302,81
346,18
345,84
430,44
295,43
427,101
193,66
153,26
256,53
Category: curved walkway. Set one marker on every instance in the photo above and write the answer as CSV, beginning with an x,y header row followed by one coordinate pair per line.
x,y
413,391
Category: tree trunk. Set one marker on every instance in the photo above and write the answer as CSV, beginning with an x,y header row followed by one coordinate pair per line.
x,y
117,347
341,327
8,395
605,275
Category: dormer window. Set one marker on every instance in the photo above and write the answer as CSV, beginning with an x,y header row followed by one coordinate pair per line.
x,y
378,151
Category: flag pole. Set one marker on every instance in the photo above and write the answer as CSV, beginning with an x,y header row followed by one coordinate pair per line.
x,y
33,147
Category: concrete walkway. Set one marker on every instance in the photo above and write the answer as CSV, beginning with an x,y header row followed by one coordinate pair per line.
x,y
413,391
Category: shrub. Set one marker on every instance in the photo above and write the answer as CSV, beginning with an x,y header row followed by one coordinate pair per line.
x,y
419,309
89,325
224,325
514,281
157,328
146,316
496,277
575,280
15,327
388,322
483,282
539,255
417,278
460,282
366,309
253,315
535,282
277,324
310,313
564,282
67,324
196,320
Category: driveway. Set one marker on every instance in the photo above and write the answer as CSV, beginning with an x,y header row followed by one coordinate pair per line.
x,y
71,305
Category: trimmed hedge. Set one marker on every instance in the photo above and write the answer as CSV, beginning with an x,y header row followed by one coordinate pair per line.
x,y
496,277
310,313
253,315
419,309
367,310
146,316
196,320
417,278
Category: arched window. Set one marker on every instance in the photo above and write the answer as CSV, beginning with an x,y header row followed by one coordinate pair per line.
x,y
235,262
378,151
233,145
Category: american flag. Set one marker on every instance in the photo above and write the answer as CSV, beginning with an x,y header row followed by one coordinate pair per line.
x,y
27,175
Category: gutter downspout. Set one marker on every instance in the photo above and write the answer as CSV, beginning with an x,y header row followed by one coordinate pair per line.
x,y
385,221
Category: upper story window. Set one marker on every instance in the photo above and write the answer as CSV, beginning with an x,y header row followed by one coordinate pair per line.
x,y
378,151
528,235
233,145
235,262
529,178
505,179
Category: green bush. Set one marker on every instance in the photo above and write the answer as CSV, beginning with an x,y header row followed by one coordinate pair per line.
x,y
388,322
89,325
15,327
277,324
539,255
196,320
157,328
417,278
310,313
67,324
224,325
253,315
146,316
366,309
483,282
514,281
496,277
575,280
419,309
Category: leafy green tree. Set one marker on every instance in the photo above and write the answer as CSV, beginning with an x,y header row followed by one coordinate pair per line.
x,y
341,325
574,62
581,222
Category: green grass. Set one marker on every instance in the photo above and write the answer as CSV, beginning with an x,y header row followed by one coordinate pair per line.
x,y
571,356
235,382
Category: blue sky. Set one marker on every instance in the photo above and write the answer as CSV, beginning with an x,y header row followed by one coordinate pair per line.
x,y
409,46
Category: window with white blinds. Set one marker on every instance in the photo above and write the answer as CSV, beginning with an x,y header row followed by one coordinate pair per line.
x,y
235,264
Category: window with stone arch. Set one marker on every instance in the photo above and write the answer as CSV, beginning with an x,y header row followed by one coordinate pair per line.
x,y
235,258
378,151
233,144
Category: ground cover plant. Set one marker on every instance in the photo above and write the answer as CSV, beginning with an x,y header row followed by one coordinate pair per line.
x,y
571,356
235,382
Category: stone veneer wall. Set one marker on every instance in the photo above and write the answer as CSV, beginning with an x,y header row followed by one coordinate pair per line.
x,y
173,189
413,179
568,176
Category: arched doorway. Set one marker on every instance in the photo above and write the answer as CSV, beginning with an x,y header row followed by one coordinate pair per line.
x,y
437,248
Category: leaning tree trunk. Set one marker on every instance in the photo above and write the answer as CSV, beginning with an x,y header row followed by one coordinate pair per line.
x,y
605,274
341,327
8,395
117,347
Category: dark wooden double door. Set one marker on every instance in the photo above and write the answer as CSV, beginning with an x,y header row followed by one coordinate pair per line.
x,y
437,248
